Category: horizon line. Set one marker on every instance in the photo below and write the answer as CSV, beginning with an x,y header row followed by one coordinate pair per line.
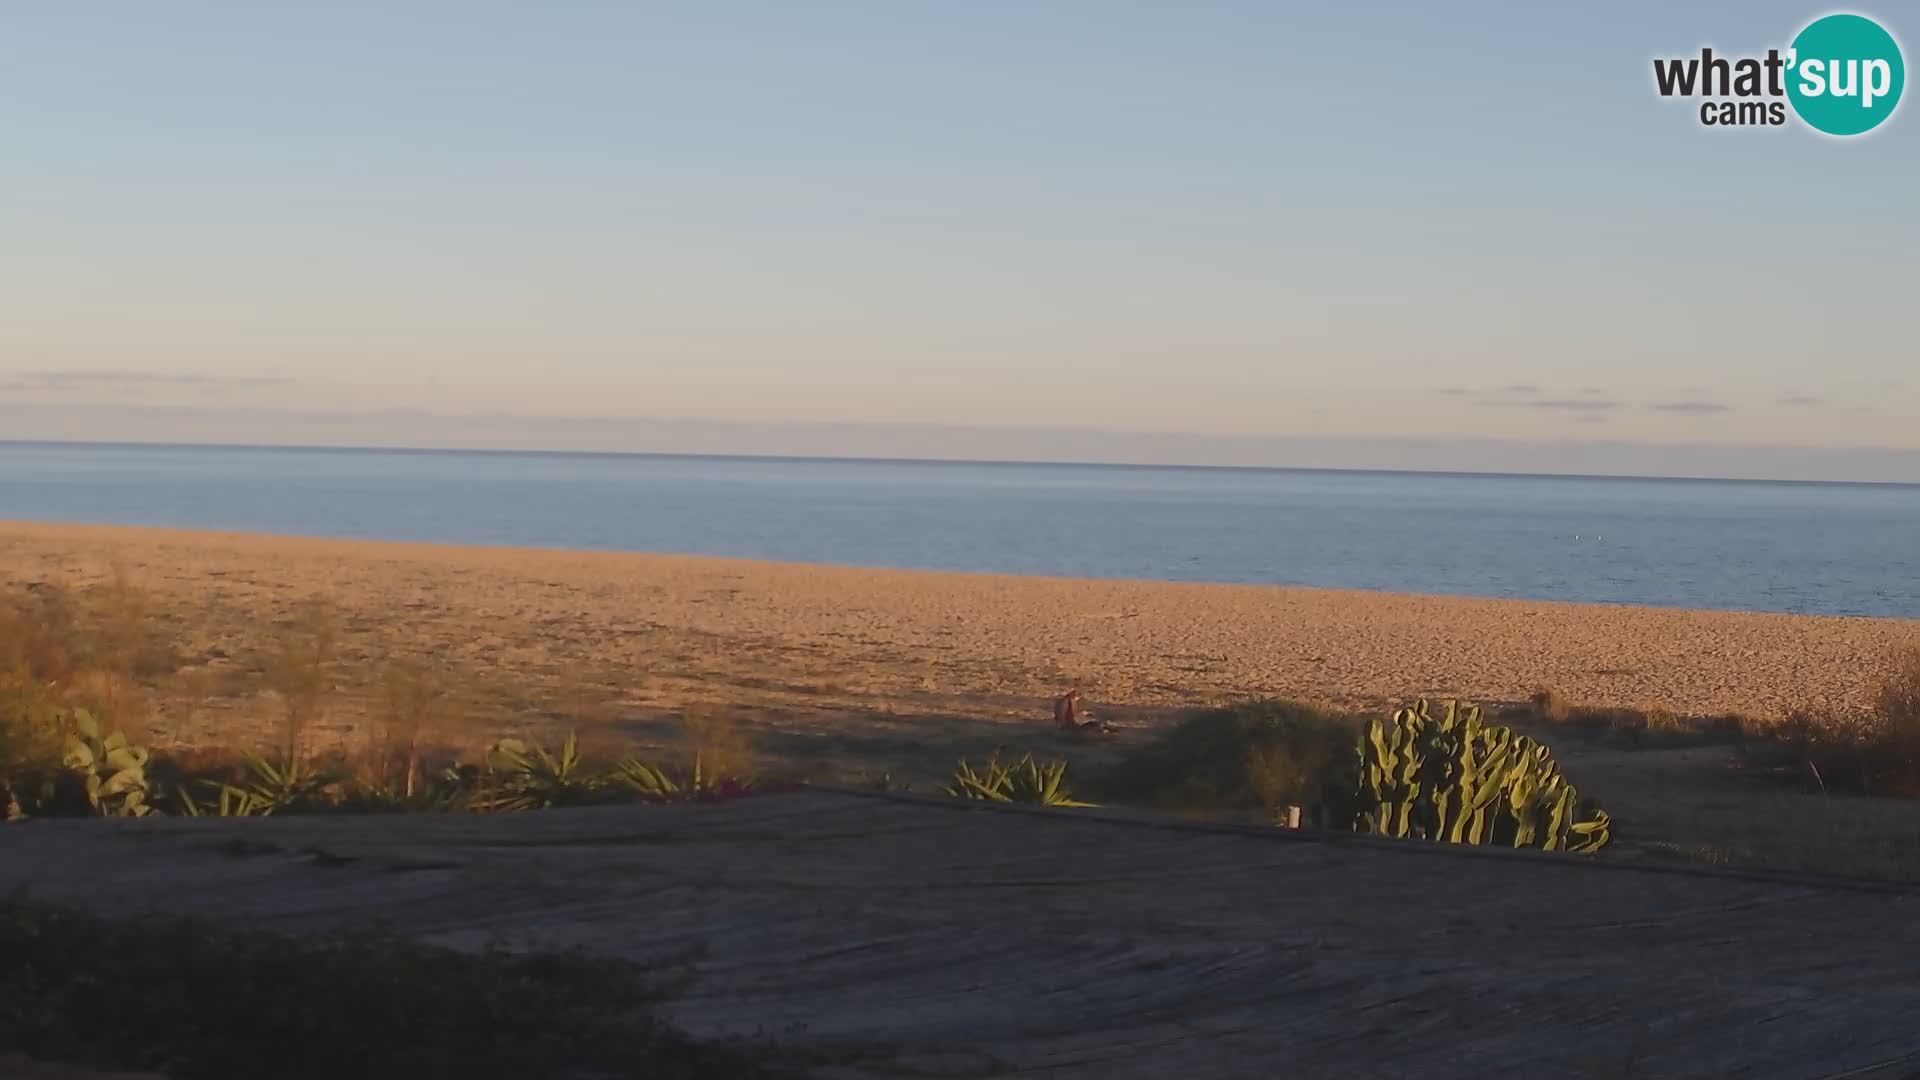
x,y
956,461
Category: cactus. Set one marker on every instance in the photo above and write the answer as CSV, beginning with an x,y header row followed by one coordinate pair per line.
x,y
113,770
1454,778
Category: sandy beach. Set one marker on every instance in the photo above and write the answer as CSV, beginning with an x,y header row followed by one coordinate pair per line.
x,y
529,638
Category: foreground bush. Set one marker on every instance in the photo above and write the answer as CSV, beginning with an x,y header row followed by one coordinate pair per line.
x,y
193,1000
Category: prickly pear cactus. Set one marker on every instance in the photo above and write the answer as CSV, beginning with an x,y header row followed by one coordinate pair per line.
x,y
1454,778
113,770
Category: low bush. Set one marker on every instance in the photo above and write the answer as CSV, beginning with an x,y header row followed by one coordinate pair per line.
x,y
1550,706
1864,751
1246,759
1651,727
194,1000
1734,727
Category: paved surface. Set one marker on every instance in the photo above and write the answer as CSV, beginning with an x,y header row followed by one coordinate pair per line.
x,y
975,941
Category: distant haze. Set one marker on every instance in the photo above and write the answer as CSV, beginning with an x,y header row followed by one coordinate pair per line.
x,y
605,434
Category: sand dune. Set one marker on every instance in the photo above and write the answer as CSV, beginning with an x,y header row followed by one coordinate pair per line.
x,y
531,635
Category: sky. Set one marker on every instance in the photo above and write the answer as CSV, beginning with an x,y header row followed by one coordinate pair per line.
x,y
1386,235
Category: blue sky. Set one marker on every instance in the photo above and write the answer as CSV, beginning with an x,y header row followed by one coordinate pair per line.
x,y
1244,220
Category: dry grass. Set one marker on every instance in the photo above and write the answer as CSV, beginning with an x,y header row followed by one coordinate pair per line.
x,y
300,673
415,698
1550,706
1867,751
58,652
1734,727
1646,726
90,650
719,742
1663,721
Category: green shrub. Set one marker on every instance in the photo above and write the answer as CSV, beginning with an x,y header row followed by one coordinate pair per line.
x,y
1244,759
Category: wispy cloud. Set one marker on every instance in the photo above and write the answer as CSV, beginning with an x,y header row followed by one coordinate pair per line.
x,y
1521,388
1577,404
67,380
1592,391
1568,404
1799,399
1691,407
1455,391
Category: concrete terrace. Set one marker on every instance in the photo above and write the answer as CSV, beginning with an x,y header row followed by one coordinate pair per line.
x,y
951,939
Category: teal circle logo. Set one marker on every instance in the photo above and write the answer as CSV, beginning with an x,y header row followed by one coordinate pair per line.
x,y
1845,74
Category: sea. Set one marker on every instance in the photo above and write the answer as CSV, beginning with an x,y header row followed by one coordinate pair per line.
x,y
1823,548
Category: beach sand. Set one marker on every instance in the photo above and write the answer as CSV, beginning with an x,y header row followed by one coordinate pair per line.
x,y
535,638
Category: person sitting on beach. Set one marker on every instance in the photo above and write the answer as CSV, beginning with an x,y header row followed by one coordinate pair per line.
x,y
1068,716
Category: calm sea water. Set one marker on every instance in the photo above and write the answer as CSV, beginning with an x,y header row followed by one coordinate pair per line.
x,y
1830,548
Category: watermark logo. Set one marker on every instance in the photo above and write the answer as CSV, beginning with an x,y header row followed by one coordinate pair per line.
x,y
1841,75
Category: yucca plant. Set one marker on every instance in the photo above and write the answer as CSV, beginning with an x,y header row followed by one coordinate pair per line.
x,y
649,781
288,785
266,786
527,776
450,792
1025,781
375,796
655,784
220,800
